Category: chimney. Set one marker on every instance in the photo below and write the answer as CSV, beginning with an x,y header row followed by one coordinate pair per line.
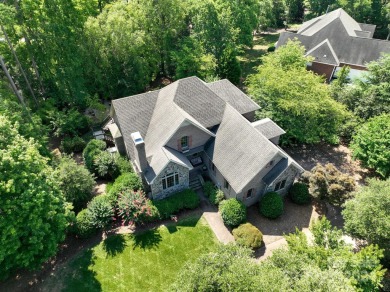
x,y
139,151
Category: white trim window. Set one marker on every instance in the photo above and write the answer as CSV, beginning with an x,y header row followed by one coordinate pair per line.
x,y
170,180
280,185
184,143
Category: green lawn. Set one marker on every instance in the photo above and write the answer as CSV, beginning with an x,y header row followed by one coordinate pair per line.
x,y
148,261
251,58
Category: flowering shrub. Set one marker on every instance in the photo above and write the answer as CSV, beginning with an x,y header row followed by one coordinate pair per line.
x,y
133,207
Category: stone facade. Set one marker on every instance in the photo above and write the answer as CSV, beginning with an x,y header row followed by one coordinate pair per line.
x,y
157,187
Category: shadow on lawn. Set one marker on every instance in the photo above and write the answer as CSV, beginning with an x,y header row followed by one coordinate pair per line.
x,y
148,239
114,244
77,276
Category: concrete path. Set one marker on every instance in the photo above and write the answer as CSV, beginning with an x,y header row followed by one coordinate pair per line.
x,y
216,224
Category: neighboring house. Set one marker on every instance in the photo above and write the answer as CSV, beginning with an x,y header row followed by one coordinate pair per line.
x,y
335,40
192,128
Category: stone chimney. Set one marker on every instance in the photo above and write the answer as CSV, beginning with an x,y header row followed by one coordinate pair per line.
x,y
139,151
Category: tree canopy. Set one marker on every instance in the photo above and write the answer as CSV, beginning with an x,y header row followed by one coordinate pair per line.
x,y
371,144
367,216
326,264
296,99
32,220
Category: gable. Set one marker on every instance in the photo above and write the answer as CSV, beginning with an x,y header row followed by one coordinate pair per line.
x,y
324,53
197,136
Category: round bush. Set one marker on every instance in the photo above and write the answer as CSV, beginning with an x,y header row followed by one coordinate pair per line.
x,y
271,205
248,235
72,145
84,225
299,194
271,49
127,181
233,212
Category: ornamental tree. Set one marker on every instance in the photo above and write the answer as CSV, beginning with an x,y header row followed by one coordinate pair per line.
x,y
133,207
32,213
371,144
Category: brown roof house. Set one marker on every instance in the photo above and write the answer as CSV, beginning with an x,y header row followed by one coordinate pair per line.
x,y
191,130
334,40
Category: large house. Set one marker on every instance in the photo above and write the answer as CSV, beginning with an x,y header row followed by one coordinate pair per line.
x,y
191,130
335,40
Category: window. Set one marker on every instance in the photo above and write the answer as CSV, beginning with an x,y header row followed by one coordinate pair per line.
x,y
212,166
184,143
170,180
250,193
226,184
280,185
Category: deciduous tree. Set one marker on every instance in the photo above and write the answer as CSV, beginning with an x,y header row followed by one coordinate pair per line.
x,y
296,99
32,220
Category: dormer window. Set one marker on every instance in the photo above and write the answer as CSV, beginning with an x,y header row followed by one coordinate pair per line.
x,y
184,143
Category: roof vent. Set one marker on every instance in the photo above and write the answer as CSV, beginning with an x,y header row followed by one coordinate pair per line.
x,y
324,56
137,138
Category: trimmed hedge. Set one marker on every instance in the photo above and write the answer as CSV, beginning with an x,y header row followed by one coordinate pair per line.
x,y
84,226
248,235
299,194
271,205
186,199
233,212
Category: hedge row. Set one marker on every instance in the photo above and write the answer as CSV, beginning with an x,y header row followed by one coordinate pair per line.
x,y
167,207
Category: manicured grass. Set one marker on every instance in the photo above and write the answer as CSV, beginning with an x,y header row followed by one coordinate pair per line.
x,y
148,261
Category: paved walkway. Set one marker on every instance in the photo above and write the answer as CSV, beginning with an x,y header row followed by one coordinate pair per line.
x,y
216,224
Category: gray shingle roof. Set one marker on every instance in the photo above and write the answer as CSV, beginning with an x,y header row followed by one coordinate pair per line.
x,y
234,96
268,128
133,114
239,151
276,171
345,37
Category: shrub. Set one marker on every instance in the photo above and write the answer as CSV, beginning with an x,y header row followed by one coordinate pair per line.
x,y
208,188
213,193
133,207
75,182
299,194
271,205
93,148
329,184
127,181
84,225
72,145
271,49
100,211
123,164
248,235
68,122
186,199
105,165
233,212
217,197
